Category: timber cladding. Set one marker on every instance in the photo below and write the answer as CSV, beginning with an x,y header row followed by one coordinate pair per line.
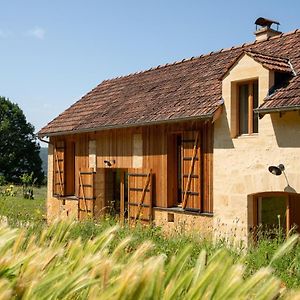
x,y
156,176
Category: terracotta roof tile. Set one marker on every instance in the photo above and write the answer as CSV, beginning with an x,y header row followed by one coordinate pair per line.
x,y
273,63
190,88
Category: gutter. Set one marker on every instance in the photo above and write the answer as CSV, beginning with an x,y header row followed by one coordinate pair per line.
x,y
44,141
203,117
278,109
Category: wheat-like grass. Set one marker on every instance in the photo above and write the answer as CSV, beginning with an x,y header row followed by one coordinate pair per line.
x,y
52,266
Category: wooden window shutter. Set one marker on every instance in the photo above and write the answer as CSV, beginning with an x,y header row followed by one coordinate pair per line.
x,y
86,193
140,195
191,172
58,169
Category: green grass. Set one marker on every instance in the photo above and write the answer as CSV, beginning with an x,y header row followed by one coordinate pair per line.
x,y
31,214
19,211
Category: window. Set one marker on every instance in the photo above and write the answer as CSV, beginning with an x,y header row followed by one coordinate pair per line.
x,y
246,102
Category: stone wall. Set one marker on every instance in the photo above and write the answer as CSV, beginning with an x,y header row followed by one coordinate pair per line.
x,y
172,221
241,163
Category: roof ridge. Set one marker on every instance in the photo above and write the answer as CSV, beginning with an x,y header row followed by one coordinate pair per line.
x,y
203,55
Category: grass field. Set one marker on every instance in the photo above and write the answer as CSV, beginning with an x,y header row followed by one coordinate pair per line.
x,y
21,212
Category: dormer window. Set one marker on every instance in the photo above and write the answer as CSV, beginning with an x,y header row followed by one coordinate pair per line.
x,y
246,83
247,101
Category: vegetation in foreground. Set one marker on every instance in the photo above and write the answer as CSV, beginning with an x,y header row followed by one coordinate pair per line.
x,y
30,216
52,266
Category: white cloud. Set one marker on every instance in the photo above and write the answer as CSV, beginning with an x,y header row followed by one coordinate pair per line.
x,y
37,32
5,34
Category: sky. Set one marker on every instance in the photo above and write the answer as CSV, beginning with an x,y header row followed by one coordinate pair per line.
x,y
54,52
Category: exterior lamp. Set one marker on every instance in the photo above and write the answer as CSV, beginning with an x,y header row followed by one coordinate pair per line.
x,y
277,170
109,163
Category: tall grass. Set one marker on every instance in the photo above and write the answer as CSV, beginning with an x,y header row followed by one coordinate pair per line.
x,y
51,265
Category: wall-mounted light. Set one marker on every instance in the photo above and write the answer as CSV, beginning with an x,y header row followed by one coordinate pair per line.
x,y
109,163
277,170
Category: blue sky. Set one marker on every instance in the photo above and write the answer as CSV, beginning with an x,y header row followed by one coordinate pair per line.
x,y
53,52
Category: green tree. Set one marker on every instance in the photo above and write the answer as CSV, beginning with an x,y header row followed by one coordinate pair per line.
x,y
19,150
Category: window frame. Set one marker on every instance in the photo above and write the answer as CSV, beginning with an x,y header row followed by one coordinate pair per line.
x,y
250,103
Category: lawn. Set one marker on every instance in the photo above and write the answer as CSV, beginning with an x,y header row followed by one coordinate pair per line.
x,y
18,211
21,212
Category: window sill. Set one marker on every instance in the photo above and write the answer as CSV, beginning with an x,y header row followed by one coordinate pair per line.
x,y
247,136
180,210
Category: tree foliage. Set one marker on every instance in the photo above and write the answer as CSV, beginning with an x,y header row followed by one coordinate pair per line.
x,y
19,150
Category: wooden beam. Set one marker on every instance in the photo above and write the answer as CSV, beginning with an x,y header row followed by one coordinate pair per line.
x,y
288,217
250,108
82,189
122,196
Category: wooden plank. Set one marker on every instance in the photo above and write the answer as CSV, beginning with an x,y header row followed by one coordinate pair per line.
x,y
187,187
137,204
191,158
207,167
69,167
122,196
142,198
139,195
138,189
58,168
138,174
192,176
250,108
82,190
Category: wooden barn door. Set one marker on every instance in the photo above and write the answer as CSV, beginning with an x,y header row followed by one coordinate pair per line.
x,y
140,195
86,193
58,168
191,181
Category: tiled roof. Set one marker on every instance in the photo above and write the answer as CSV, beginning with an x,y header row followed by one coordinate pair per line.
x,y
274,63
187,89
287,98
270,62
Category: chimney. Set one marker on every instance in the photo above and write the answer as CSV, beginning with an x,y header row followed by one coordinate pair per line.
x,y
264,30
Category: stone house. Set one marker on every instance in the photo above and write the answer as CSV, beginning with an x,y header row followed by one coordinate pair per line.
x,y
210,143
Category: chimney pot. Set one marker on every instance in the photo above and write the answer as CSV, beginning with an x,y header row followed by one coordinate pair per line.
x,y
264,30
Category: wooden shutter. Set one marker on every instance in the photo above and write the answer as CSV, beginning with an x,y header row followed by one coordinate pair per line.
x,y
191,175
58,169
140,195
86,193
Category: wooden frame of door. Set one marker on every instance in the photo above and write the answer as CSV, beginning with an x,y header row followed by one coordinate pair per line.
x,y
290,199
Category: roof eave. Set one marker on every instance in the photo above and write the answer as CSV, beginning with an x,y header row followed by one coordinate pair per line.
x,y
213,116
263,111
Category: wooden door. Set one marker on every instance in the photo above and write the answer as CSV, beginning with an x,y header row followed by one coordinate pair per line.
x,y
86,195
191,181
140,195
